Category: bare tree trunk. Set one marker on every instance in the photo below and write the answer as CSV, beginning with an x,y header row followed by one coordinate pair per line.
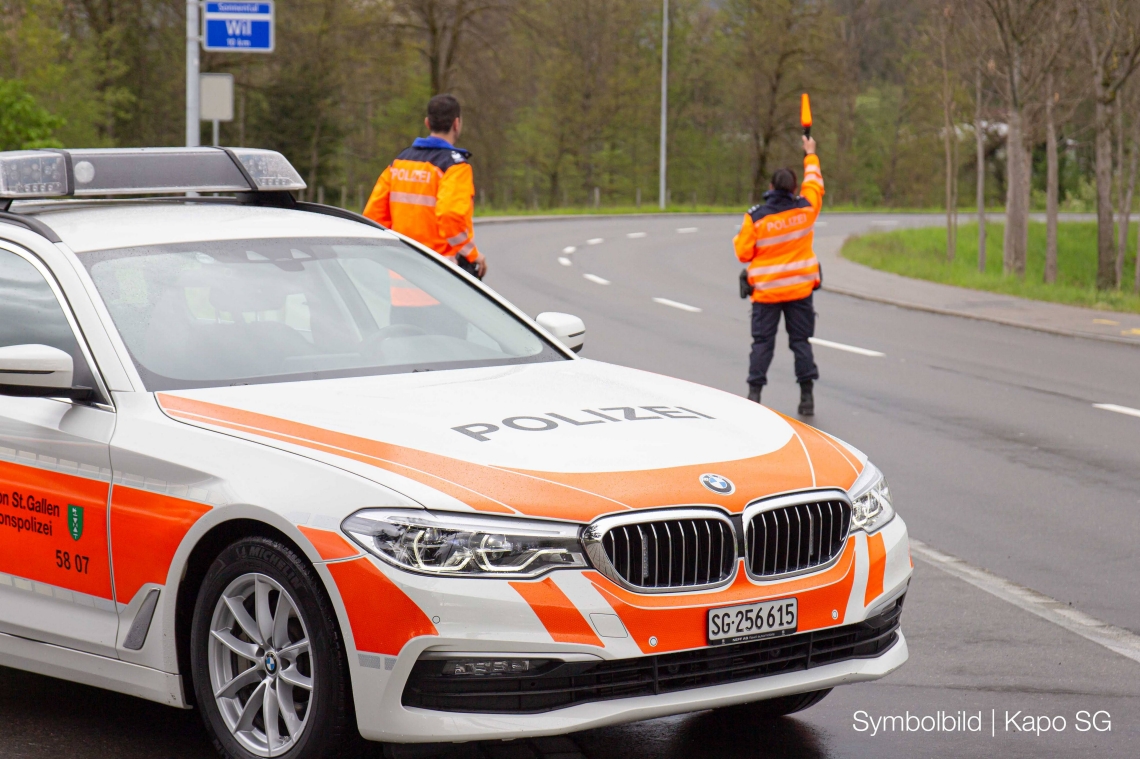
x,y
1017,197
1106,253
980,140
1126,209
1050,185
1123,196
949,138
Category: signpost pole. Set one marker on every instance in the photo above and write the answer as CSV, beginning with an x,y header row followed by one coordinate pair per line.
x,y
216,122
193,135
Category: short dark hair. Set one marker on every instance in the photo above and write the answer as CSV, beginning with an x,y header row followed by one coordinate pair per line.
x,y
442,111
784,180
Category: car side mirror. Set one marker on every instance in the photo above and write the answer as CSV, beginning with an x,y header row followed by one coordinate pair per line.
x,y
38,371
569,329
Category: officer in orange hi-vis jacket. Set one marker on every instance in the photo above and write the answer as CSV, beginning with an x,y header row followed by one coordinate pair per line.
x,y
428,193
775,240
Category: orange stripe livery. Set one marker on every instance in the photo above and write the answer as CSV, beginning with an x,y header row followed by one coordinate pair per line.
x,y
382,616
53,529
877,551
559,495
557,612
146,530
330,545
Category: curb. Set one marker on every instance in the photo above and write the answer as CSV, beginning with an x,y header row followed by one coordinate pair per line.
x,y
977,317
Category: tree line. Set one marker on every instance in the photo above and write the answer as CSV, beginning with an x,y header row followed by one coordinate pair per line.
x,y
1034,104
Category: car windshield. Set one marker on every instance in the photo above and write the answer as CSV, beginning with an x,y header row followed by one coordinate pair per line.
x,y
233,312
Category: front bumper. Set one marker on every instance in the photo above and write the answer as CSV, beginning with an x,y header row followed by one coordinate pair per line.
x,y
656,644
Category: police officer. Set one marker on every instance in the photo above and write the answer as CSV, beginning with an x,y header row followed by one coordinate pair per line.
x,y
775,240
428,193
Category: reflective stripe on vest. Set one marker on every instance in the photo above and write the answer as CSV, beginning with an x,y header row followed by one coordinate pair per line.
x,y
757,271
412,198
786,281
767,242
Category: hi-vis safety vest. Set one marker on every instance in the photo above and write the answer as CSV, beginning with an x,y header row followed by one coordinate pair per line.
x,y
428,194
775,240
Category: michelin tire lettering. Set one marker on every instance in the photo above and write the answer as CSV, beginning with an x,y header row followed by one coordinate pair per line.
x,y
481,431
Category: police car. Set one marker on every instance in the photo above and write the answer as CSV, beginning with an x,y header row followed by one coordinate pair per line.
x,y
267,459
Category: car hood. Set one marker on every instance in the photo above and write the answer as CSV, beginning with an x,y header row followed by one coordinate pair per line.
x,y
566,440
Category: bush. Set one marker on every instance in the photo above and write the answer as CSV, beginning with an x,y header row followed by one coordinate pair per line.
x,y
23,123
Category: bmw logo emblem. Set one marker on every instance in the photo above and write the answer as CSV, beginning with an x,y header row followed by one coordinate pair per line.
x,y
717,484
271,664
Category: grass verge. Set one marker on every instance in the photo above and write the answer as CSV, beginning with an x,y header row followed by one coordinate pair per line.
x,y
921,253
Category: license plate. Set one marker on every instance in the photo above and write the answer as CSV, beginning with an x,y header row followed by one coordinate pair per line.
x,y
733,624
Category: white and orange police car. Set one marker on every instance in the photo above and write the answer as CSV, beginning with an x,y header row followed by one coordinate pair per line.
x,y
266,459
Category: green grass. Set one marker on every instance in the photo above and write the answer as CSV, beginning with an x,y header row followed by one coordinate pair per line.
x,y
921,253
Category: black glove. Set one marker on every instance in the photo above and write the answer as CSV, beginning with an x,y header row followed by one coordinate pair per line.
x,y
745,285
468,266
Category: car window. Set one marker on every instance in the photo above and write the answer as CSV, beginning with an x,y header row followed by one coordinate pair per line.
x,y
30,314
247,311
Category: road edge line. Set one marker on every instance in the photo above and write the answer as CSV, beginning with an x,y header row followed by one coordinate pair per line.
x,y
1115,639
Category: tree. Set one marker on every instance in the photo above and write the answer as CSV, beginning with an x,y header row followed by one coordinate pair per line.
x,y
775,40
1025,53
23,122
980,161
944,31
1127,185
1112,35
446,28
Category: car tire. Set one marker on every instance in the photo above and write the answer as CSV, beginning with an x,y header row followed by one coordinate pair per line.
x,y
264,638
774,708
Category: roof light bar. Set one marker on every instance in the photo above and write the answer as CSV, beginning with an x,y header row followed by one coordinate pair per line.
x,y
267,169
143,171
32,174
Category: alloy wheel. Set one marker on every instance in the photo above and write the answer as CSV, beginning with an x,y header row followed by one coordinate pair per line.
x,y
261,665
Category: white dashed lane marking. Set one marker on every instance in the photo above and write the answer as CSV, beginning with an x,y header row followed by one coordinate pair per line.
x,y
675,304
1117,409
569,249
635,235
843,347
564,261
596,279
686,230
595,240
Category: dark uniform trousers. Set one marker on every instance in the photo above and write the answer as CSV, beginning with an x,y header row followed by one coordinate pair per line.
x,y
799,319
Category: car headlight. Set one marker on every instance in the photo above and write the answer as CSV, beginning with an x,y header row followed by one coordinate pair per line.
x,y
870,500
462,545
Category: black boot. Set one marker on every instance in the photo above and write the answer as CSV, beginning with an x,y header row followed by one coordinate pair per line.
x,y
807,402
754,392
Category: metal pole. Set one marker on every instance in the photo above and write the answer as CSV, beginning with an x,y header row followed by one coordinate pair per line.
x,y
216,133
664,101
193,135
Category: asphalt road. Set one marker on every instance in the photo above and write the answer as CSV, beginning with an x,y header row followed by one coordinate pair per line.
x,y
988,436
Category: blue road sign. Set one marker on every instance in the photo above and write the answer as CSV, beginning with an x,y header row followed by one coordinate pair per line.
x,y
238,27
